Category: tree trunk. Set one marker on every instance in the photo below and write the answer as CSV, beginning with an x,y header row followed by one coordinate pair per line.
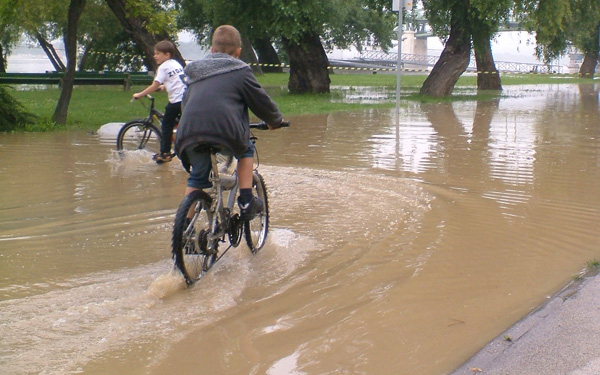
x,y
62,108
50,52
488,77
85,55
308,65
249,57
140,34
588,66
590,60
454,58
267,56
2,60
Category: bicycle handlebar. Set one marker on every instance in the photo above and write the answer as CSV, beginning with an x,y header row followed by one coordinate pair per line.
x,y
150,97
263,125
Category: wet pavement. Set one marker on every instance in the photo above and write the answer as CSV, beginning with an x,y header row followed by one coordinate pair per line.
x,y
561,337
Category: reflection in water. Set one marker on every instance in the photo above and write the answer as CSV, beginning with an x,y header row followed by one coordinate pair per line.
x,y
392,249
363,94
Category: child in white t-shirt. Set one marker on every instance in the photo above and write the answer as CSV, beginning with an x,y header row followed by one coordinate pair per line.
x,y
170,75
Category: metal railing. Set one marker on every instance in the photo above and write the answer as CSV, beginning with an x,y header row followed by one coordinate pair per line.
x,y
390,59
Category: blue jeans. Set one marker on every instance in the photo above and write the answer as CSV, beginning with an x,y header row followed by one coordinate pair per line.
x,y
201,166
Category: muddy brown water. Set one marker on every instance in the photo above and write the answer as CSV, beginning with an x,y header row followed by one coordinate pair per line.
x,y
392,250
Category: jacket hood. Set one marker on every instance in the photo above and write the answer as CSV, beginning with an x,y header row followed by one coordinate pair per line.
x,y
212,65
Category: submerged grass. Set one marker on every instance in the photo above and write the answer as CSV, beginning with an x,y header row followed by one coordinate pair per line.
x,y
92,106
416,80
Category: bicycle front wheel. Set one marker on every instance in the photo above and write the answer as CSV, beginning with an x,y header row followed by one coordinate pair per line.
x,y
190,236
255,230
139,135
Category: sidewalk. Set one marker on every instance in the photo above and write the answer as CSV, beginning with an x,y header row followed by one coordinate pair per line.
x,y
561,337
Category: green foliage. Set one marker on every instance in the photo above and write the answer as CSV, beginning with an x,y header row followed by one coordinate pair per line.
x,y
13,115
551,28
11,32
594,263
558,24
105,43
438,15
339,22
113,52
356,21
584,24
158,16
481,16
47,17
22,16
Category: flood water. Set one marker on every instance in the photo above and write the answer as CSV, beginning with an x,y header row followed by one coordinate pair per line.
x,y
392,250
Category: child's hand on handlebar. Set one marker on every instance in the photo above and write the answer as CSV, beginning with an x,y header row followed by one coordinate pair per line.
x,y
282,124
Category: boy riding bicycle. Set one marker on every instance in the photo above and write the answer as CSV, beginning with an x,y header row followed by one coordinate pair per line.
x,y
169,75
221,89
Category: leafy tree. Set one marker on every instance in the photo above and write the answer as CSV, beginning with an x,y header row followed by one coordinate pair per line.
x,y
148,22
8,39
340,23
300,28
486,18
464,24
39,21
585,25
448,17
62,108
104,43
561,24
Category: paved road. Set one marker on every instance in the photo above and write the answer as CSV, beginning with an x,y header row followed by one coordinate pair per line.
x,y
562,337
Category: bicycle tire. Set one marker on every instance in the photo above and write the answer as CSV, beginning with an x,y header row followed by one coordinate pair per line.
x,y
256,230
139,135
190,237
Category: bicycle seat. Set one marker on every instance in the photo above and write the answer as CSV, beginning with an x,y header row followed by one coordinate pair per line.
x,y
210,148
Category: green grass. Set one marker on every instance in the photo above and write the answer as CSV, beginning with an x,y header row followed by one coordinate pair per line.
x,y
594,263
592,266
92,106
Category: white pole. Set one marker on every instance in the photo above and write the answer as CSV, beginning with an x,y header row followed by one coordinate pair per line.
x,y
399,64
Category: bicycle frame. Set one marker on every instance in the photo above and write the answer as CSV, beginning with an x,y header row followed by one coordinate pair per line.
x,y
220,214
155,114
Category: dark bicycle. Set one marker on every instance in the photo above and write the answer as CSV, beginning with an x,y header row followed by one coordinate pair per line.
x,y
205,220
142,134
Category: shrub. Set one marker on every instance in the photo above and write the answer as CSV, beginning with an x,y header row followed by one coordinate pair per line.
x,y
13,115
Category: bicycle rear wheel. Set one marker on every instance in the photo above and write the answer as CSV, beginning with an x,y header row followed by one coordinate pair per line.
x,y
255,230
190,237
139,135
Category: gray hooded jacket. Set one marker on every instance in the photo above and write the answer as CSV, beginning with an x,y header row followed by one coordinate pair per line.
x,y
215,106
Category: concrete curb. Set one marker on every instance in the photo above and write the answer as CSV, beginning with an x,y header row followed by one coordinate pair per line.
x,y
560,337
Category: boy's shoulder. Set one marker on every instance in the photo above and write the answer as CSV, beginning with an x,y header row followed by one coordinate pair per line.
x,y
172,63
213,65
